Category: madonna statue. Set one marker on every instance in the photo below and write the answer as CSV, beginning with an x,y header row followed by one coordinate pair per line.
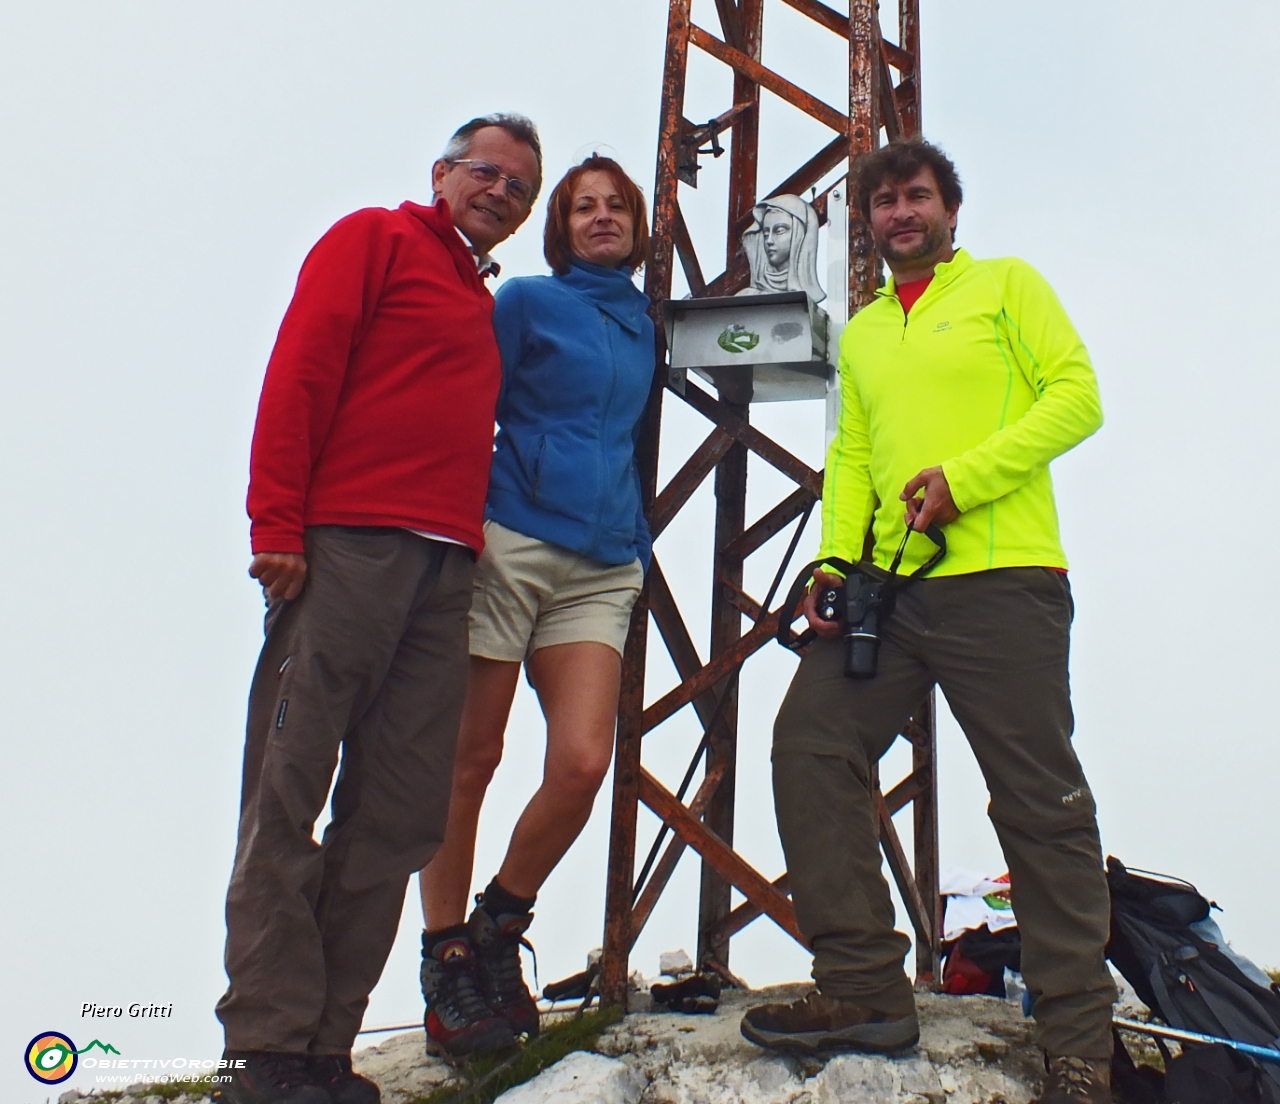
x,y
782,247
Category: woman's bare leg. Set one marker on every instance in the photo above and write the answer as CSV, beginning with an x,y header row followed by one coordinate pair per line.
x,y
445,882
577,686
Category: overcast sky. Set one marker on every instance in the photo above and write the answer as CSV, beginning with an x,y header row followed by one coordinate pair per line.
x,y
166,168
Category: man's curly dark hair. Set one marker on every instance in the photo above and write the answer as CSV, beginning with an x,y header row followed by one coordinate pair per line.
x,y
898,161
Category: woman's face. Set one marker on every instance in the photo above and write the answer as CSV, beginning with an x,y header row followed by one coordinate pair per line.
x,y
601,229
777,238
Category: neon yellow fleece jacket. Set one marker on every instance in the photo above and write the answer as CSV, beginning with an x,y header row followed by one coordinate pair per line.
x,y
986,377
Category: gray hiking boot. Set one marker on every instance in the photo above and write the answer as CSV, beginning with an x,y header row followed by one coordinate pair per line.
x,y
458,1021
818,1024
497,944
1076,1081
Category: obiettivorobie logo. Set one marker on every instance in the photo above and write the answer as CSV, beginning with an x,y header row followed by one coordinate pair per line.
x,y
51,1057
737,339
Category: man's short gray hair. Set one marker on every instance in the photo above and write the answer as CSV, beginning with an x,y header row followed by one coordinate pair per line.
x,y
519,127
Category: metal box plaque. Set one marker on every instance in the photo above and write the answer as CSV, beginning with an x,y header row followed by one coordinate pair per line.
x,y
752,348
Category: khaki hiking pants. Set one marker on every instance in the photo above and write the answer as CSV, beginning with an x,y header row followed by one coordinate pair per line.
x,y
370,661
996,643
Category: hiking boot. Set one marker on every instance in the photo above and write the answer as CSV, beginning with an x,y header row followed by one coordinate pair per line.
x,y
497,943
1076,1081
818,1024
458,1022
334,1074
268,1077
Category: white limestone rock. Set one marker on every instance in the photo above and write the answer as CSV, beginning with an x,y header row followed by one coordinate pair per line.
x,y
580,1078
973,1050
675,963
401,1067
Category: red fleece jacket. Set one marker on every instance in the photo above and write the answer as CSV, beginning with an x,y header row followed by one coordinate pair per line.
x,y
378,403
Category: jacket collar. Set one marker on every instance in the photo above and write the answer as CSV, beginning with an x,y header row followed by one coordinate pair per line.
x,y
943,274
437,219
611,290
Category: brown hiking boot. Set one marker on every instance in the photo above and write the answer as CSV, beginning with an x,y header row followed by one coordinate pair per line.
x,y
1076,1081
816,1024
333,1073
269,1077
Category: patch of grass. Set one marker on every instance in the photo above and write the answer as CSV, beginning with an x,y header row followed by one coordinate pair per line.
x,y
1274,975
485,1078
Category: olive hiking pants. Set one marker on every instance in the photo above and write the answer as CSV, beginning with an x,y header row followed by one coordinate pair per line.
x,y
996,644
370,661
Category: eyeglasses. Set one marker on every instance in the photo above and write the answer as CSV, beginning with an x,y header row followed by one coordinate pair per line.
x,y
487,173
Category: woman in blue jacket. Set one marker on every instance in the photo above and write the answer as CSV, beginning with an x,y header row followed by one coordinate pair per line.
x,y
566,548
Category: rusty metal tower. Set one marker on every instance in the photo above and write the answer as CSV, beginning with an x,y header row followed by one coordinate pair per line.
x,y
876,102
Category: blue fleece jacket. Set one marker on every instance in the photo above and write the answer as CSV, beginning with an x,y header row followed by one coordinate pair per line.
x,y
577,362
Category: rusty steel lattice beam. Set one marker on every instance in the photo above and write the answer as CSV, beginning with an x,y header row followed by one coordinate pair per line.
x,y
706,823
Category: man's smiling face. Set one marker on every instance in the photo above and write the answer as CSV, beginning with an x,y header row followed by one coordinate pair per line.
x,y
910,223
484,213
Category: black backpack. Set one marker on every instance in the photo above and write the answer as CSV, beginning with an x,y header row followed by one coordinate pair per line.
x,y
1190,984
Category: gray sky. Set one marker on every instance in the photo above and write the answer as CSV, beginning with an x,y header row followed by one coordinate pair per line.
x,y
168,165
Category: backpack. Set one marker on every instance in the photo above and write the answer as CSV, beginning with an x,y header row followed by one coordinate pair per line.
x,y
975,962
1190,984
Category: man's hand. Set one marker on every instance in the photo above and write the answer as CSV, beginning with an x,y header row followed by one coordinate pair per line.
x,y
936,507
280,573
828,630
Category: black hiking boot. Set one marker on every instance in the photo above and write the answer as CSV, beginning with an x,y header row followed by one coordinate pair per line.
x,y
334,1074
817,1024
497,943
1076,1081
269,1077
458,1021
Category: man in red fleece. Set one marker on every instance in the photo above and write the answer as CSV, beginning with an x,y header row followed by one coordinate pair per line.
x,y
367,485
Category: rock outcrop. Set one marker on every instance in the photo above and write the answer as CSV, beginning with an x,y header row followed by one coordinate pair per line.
x,y
973,1050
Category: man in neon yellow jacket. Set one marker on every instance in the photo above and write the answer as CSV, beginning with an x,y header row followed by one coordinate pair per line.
x,y
959,384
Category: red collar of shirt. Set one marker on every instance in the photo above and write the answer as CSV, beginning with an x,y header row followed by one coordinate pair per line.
x,y
910,292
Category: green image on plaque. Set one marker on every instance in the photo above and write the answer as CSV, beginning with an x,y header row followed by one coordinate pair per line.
x,y
738,339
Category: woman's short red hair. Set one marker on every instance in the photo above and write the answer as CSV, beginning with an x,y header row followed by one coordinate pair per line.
x,y
555,238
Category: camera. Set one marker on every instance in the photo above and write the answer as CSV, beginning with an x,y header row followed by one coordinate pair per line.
x,y
858,603
862,603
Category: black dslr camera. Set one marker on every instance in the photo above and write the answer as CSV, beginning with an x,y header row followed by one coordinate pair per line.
x,y
860,602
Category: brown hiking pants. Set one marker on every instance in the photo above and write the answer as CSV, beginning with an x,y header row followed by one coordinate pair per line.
x,y
996,643
371,659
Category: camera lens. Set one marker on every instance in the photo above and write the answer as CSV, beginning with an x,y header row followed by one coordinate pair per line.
x,y
860,661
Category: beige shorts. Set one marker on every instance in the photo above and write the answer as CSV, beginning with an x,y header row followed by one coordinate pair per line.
x,y
530,594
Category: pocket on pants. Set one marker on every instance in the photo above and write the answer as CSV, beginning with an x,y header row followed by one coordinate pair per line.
x,y
1062,587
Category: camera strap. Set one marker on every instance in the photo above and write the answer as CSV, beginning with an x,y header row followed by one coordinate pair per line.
x,y
892,584
934,533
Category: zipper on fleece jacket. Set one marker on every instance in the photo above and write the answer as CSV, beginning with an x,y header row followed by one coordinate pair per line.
x,y
602,438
